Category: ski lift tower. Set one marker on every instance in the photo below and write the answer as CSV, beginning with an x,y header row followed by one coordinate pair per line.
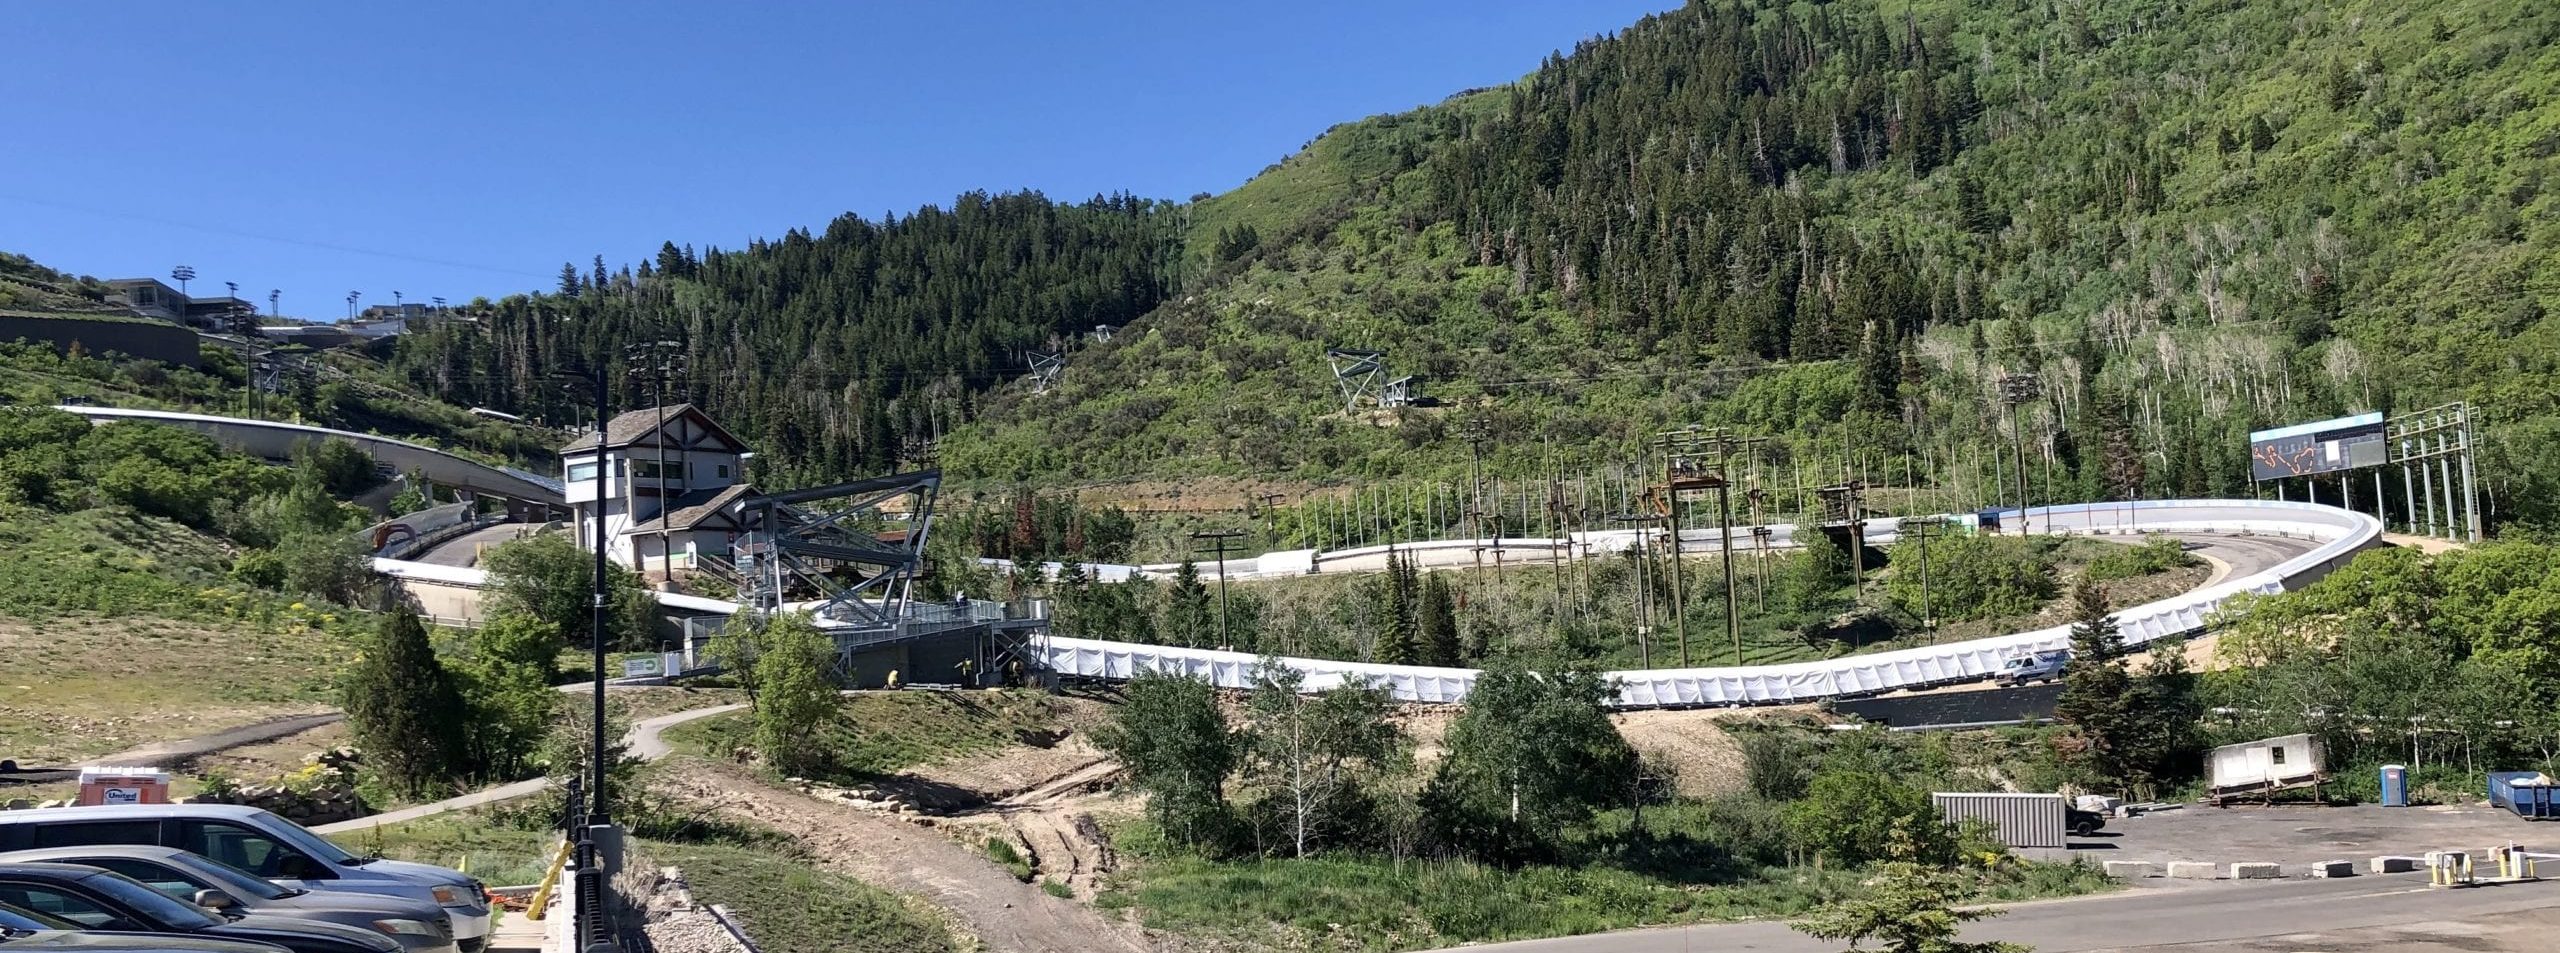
x,y
1359,373
1045,367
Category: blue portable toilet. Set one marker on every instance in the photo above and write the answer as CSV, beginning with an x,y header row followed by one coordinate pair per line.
x,y
2395,786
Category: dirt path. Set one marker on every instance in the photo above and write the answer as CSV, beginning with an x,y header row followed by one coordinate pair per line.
x,y
1007,915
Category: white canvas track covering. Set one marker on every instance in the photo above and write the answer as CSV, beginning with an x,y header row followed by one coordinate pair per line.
x,y
2341,534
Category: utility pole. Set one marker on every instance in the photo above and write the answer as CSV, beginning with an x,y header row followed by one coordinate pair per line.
x,y
1218,544
2017,389
1644,582
1760,544
1921,528
1270,507
660,362
1477,433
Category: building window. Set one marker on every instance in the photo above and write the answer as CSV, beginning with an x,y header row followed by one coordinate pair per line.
x,y
2279,755
579,472
724,471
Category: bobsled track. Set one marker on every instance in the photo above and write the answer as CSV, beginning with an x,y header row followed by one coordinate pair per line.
x,y
2338,534
2332,537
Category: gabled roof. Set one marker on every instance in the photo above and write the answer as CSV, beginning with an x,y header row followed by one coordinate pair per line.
x,y
635,426
690,510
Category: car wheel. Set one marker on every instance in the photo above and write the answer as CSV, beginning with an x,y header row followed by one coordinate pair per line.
x,y
2084,829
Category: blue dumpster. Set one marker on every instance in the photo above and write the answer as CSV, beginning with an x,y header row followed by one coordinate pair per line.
x,y
2528,793
2395,786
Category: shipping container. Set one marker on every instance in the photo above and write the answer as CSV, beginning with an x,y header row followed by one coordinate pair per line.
x,y
2022,820
2263,767
2531,794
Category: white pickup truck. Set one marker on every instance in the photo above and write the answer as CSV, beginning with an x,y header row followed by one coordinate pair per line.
x,y
2042,666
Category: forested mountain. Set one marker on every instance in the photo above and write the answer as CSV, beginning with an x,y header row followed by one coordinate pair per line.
x,y
838,352
1839,224
1836,225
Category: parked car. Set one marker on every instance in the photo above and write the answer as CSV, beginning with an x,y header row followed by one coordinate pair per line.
x,y
102,900
264,845
26,931
2042,666
417,925
2084,823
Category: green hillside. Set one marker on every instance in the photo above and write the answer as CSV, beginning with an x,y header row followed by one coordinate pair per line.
x,y
1837,224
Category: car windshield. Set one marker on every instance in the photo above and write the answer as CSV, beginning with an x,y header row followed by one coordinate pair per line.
x,y
20,918
320,848
240,884
151,903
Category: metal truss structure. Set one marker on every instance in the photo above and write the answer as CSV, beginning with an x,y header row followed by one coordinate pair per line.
x,y
1045,366
841,545
1360,374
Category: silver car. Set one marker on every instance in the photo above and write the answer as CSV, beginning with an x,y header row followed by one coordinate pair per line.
x,y
417,925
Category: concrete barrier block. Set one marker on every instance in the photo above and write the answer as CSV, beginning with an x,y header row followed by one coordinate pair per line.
x,y
2193,870
2393,865
2257,871
2334,868
2131,869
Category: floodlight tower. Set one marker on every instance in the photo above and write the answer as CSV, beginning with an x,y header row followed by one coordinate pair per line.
x,y
184,274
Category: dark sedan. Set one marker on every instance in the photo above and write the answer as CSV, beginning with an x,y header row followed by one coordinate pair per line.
x,y
419,926
26,931
111,902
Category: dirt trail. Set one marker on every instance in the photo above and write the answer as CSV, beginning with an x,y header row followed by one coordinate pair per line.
x,y
1005,914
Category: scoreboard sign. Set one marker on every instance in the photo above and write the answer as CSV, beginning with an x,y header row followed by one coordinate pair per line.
x,y
2322,446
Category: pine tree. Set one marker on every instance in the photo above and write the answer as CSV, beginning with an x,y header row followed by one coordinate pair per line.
x,y
1400,641
401,703
1908,907
2097,693
1439,624
1186,607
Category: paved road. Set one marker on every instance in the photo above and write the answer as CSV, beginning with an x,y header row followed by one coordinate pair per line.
x,y
2160,913
464,550
646,743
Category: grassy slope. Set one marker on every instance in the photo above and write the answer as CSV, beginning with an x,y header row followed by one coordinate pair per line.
x,y
120,631
882,732
787,907
2394,192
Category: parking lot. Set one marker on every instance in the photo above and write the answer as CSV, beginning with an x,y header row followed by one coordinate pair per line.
x,y
2299,835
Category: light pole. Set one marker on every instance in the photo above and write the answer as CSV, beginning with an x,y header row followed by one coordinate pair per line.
x,y
275,302
351,303
184,274
596,588
2017,389
234,286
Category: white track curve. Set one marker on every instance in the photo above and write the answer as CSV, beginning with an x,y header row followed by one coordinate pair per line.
x,y
2340,533
275,440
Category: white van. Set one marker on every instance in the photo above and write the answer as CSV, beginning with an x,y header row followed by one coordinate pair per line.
x,y
261,843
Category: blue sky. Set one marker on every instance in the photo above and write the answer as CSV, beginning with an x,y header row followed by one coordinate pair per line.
x,y
462,149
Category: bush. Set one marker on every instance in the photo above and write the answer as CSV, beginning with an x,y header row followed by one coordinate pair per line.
x,y
1848,815
1971,577
261,568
